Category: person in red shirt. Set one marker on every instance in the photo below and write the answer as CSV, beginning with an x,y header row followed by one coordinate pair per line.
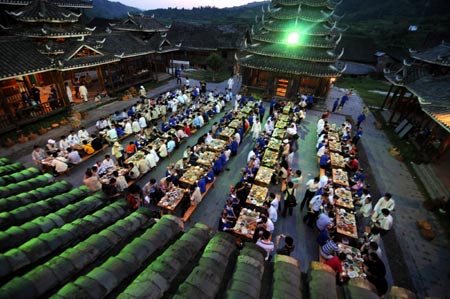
x,y
131,149
336,264
187,129
352,165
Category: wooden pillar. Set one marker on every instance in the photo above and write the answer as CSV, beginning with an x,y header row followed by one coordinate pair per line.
x,y
6,108
101,80
399,98
393,97
58,80
113,89
387,97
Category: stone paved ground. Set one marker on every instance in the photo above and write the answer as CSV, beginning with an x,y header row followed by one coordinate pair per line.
x,y
428,262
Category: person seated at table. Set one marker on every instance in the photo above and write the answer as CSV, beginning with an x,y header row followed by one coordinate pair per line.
x,y
162,151
325,219
224,223
91,181
352,165
314,208
385,202
335,263
143,166
73,157
228,208
133,173
134,197
111,134
325,161
130,149
182,164
329,249
83,134
51,146
195,195
107,163
121,182
202,184
171,144
205,117
210,175
359,174
73,139
59,163
217,166
140,141
111,189
96,142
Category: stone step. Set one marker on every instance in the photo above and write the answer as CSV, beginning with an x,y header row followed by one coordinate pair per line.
x,y
429,180
439,184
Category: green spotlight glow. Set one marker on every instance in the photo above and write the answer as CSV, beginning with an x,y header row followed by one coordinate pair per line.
x,y
293,38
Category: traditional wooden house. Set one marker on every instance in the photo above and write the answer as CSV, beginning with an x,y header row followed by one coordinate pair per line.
x,y
197,42
419,98
48,46
292,49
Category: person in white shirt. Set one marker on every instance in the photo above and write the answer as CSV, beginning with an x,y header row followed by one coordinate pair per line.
x,y
384,221
266,244
322,151
251,154
135,126
237,137
162,149
230,83
385,202
101,124
128,127
73,157
142,92
320,124
59,163
208,138
83,92
323,181
142,122
256,129
83,134
73,138
111,134
108,163
272,211
63,144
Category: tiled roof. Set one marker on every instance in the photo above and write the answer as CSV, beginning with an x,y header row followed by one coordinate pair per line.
x,y
293,52
313,14
357,49
433,93
60,3
46,31
305,40
20,57
44,11
208,37
289,66
439,55
141,23
310,28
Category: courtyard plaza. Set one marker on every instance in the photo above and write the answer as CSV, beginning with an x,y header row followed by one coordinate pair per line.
x,y
424,266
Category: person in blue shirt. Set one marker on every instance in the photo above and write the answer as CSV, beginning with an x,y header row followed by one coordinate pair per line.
x,y
335,105
195,92
361,118
344,99
325,162
217,166
262,112
241,132
120,131
229,116
205,117
196,122
202,184
234,147
165,127
310,100
223,158
250,120
172,121
272,105
130,112
170,146
210,175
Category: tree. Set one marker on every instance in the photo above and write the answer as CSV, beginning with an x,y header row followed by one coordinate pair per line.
x,y
214,62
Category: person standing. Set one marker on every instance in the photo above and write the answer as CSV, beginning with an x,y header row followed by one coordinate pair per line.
x,y
256,129
83,92
187,83
361,118
36,94
312,186
335,105
230,83
266,244
344,99
142,93
68,92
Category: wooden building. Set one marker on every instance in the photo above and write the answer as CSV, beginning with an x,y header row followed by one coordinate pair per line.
x,y
292,49
419,98
46,45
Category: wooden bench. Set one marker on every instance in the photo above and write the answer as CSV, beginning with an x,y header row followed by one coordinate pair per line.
x,y
187,215
87,157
